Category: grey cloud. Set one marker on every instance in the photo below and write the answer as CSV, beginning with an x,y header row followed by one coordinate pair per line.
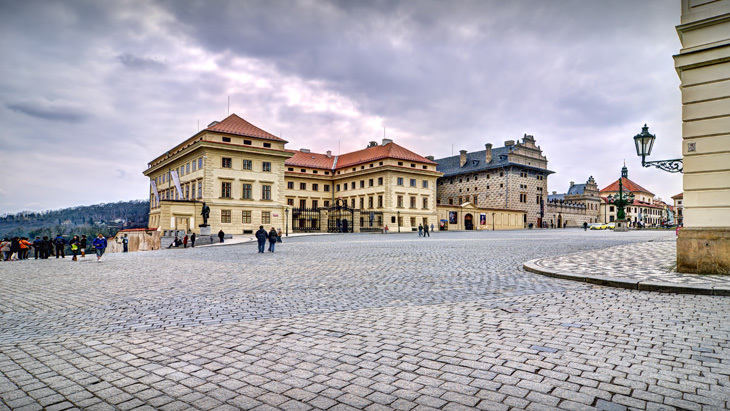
x,y
141,63
50,110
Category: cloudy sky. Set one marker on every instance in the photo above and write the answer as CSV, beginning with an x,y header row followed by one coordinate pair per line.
x,y
90,91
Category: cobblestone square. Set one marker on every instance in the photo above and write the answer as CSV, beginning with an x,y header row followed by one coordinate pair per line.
x,y
361,321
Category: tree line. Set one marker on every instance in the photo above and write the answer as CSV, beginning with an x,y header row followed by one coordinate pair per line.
x,y
105,218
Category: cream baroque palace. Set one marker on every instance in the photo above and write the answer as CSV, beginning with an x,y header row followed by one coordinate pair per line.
x,y
248,178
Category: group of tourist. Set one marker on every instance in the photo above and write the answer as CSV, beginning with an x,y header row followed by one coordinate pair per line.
x,y
273,236
18,248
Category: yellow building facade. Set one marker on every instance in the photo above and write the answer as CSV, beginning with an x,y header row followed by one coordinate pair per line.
x,y
248,178
703,66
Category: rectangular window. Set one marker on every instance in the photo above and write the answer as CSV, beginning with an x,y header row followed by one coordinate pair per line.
x,y
226,190
380,201
267,145
290,201
362,183
226,162
326,187
200,163
187,168
537,200
413,202
362,203
200,189
247,191
247,142
266,217
246,217
352,203
315,204
226,139
400,181
337,187
476,199
315,187
302,203
460,201
380,181
413,221
344,186
413,182
326,203
266,192
370,182
247,165
266,166
425,183
425,203
187,191
400,202
225,216
370,202
302,186
195,165
193,185
290,185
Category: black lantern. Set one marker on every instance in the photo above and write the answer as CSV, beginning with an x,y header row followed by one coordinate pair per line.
x,y
644,142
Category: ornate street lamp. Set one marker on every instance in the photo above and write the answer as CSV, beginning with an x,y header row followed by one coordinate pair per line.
x,y
644,142
621,200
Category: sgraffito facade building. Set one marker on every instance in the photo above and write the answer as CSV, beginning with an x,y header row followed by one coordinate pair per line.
x,y
513,177
580,204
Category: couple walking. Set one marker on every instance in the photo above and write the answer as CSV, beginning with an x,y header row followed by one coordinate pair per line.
x,y
262,236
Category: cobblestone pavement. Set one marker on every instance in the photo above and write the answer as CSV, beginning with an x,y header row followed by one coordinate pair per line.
x,y
650,263
356,322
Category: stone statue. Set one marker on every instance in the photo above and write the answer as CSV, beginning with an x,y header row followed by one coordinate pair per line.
x,y
205,212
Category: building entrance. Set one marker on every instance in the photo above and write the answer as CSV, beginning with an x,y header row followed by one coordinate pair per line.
x,y
468,222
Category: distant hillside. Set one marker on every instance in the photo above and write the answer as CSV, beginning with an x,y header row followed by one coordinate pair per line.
x,y
90,220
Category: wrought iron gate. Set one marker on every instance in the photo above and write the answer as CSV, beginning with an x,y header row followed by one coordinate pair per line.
x,y
305,220
371,221
340,217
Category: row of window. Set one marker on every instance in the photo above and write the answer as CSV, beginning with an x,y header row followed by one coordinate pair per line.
x,y
371,182
245,217
190,190
304,170
303,186
246,142
246,191
182,170
227,162
371,165
487,175
475,199
303,203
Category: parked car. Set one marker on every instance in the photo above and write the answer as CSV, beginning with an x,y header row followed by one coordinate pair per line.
x,y
611,226
598,226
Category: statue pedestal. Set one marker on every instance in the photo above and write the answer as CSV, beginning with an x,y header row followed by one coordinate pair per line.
x,y
204,230
621,226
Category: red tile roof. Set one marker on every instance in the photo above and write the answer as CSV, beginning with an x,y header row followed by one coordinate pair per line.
x,y
628,185
238,126
311,160
390,150
678,196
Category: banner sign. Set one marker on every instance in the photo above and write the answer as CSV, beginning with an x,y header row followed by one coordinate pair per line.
x,y
176,179
452,217
482,219
154,190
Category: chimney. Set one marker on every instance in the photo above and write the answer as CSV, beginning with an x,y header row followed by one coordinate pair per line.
x,y
212,124
430,158
555,192
329,153
372,144
462,158
488,156
386,141
572,183
305,150
509,143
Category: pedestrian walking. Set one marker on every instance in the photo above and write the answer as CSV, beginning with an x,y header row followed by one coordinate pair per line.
x,y
425,231
385,230
185,241
261,237
420,230
585,226
125,243
60,244
272,239
431,228
82,245
221,234
75,245
24,248
99,246
36,247
192,241
14,248
278,235
46,247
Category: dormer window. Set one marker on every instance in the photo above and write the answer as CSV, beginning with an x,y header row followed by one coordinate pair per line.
x,y
226,139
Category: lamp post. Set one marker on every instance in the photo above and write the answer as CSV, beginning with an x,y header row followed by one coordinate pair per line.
x,y
286,212
644,142
620,201
398,222
492,221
